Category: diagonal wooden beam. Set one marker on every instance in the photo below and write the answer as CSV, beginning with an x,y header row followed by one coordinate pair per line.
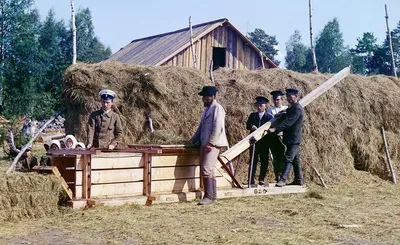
x,y
242,145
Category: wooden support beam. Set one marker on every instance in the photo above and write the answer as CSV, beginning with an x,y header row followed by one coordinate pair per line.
x,y
242,145
388,156
54,170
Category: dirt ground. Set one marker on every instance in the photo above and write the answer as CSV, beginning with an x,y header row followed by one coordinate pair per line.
x,y
364,210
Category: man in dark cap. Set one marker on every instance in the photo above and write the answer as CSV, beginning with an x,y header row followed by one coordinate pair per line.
x,y
104,128
211,136
275,140
291,127
260,150
27,161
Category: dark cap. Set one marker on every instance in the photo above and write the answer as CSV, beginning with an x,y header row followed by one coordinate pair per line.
x,y
261,100
290,91
275,94
208,90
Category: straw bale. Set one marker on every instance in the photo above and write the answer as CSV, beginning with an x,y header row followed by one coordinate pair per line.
x,y
341,128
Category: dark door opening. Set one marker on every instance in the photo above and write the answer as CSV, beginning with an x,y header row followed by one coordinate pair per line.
x,y
219,55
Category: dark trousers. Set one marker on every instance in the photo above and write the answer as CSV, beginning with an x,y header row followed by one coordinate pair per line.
x,y
278,153
260,154
292,157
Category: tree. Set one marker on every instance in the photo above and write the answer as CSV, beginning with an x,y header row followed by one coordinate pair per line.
x,y
265,43
331,54
364,53
89,48
297,54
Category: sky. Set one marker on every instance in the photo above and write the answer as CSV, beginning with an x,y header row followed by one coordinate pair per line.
x,y
118,22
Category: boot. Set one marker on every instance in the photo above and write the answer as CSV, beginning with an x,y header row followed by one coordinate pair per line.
x,y
214,189
208,192
296,182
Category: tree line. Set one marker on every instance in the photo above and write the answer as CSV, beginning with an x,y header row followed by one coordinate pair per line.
x,y
34,54
368,57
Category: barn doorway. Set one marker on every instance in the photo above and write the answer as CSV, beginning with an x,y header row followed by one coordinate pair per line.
x,y
219,55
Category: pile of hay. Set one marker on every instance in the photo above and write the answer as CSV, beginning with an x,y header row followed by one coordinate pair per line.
x,y
341,128
30,195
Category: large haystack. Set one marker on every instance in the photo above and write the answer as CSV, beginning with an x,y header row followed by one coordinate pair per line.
x,y
341,130
31,195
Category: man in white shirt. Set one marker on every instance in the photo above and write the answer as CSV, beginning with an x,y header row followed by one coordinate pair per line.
x,y
275,140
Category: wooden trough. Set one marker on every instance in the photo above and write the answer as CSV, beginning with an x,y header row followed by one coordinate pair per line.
x,y
143,174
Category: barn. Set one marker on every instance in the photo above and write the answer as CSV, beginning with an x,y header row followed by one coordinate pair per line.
x,y
216,41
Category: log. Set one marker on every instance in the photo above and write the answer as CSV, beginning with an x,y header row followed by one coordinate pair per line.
x,y
388,156
244,144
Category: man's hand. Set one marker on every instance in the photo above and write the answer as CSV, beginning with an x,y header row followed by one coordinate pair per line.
x,y
111,147
280,114
253,128
89,146
209,147
271,130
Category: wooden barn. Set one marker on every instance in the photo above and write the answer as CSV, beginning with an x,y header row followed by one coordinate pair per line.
x,y
217,41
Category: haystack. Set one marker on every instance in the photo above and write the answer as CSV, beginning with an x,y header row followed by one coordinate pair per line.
x,y
341,129
31,195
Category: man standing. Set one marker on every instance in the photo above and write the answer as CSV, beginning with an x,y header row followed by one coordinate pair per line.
x,y
211,136
292,136
104,128
260,150
275,140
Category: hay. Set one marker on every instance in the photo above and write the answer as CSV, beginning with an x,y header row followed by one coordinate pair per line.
x,y
28,196
341,129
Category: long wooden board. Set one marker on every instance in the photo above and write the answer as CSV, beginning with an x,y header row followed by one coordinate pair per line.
x,y
117,160
173,160
120,189
244,144
175,172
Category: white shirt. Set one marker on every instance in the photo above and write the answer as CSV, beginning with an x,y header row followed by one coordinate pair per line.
x,y
261,114
273,110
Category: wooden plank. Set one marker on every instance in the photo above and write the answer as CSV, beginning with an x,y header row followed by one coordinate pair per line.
x,y
209,49
146,177
198,54
117,160
72,152
170,173
54,170
169,186
244,144
114,176
120,189
173,160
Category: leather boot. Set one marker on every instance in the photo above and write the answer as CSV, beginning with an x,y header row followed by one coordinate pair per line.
x,y
214,189
208,192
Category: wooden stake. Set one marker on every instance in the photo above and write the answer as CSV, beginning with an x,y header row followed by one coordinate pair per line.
x,y
319,176
388,156
390,43
73,32
315,66
191,43
211,71
262,60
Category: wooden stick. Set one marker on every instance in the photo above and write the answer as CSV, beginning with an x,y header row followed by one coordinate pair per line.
x,y
315,66
388,156
211,72
319,176
244,144
73,32
262,60
390,43
33,139
191,43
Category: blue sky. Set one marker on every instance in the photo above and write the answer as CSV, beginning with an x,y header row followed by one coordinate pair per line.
x,y
120,21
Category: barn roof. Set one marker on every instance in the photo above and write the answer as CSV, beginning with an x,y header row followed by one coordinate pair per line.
x,y
156,50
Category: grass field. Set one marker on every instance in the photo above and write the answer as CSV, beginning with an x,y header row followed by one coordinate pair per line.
x,y
364,210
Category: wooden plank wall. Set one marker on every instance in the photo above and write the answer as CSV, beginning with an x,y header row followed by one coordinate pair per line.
x,y
239,55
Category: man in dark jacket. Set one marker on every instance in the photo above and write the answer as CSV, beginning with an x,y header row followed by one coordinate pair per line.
x,y
261,150
104,128
291,127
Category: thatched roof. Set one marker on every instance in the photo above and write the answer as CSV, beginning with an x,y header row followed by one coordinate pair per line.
x,y
341,130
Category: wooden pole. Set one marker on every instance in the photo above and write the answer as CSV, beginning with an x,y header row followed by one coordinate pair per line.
x,y
191,43
315,66
262,60
319,176
388,156
73,32
390,43
33,139
242,145
211,72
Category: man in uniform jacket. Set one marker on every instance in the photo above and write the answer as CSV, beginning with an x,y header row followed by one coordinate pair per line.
x,y
260,150
275,142
104,128
291,127
211,136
